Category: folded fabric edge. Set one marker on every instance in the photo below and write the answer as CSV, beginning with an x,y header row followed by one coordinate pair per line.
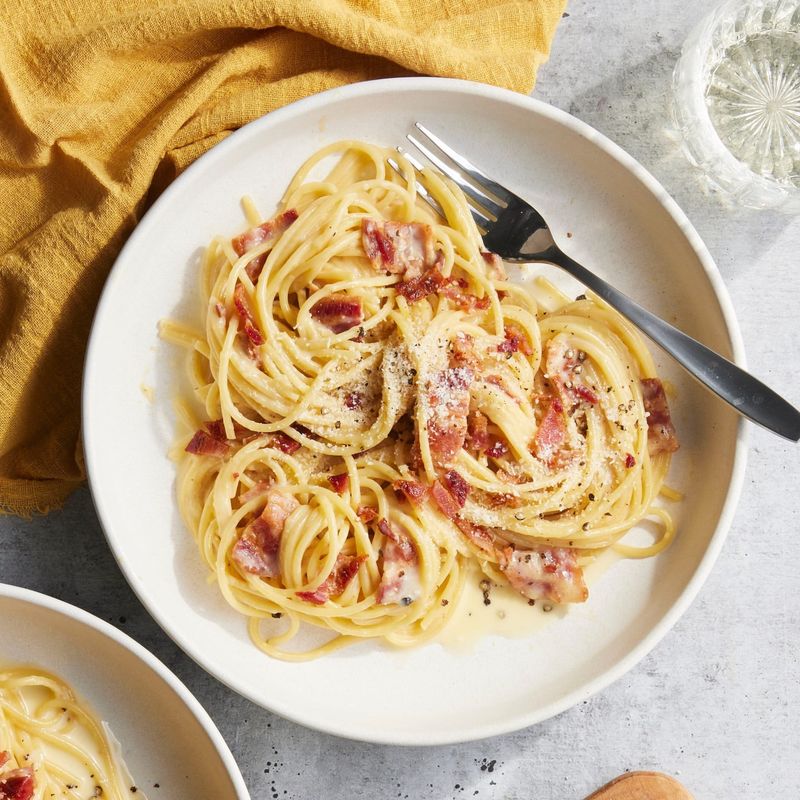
x,y
26,498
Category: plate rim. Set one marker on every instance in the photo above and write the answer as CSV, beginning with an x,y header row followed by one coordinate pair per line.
x,y
77,614
725,518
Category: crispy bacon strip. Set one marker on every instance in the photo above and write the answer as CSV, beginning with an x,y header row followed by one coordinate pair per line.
x,y
204,444
339,312
366,514
344,570
401,248
284,443
462,352
415,289
497,449
551,434
457,486
448,406
661,436
17,784
216,427
481,537
258,548
267,231
448,504
451,501
413,491
339,482
455,290
550,573
477,431
514,340
246,315
400,580
212,440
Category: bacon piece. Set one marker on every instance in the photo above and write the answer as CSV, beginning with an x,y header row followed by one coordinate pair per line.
x,y
400,580
550,573
339,312
630,461
514,340
344,570
267,231
284,443
376,244
353,400
256,490
551,434
402,248
477,431
448,402
4,756
258,548
564,366
457,486
448,504
339,482
246,315
204,444
661,436
502,500
497,449
429,282
216,427
18,784
481,537
455,291
366,514
413,246
462,352
413,491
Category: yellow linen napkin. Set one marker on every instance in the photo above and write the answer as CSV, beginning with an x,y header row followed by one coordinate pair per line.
x,y
103,102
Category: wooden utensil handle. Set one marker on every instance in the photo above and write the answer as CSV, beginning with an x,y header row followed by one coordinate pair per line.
x,y
642,786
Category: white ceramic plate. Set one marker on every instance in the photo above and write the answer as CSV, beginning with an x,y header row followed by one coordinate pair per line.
x,y
622,224
166,736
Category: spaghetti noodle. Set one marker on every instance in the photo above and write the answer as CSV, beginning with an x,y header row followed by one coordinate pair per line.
x,y
381,406
51,746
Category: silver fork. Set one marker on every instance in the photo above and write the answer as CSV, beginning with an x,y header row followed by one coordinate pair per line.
x,y
517,232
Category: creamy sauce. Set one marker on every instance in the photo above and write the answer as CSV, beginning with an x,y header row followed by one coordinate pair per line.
x,y
73,756
508,613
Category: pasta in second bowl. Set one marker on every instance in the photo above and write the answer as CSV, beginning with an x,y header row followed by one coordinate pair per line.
x,y
76,713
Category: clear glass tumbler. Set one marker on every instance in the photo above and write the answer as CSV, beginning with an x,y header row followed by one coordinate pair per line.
x,y
737,101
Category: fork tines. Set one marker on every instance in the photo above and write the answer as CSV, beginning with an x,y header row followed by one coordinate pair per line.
x,y
488,197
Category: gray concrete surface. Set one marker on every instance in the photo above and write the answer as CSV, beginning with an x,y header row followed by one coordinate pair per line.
x,y
717,703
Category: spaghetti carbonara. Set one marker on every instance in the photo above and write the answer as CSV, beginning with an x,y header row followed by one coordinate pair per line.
x,y
51,746
382,408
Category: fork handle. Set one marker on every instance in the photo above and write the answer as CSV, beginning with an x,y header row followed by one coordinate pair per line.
x,y
745,393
